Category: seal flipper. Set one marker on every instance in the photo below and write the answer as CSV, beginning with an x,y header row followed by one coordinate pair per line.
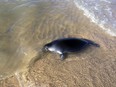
x,y
91,42
63,56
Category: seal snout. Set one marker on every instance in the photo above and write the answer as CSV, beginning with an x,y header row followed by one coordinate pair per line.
x,y
46,47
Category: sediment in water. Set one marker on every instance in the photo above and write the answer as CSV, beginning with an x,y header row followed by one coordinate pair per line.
x,y
92,67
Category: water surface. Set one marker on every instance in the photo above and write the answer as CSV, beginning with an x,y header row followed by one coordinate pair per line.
x,y
25,26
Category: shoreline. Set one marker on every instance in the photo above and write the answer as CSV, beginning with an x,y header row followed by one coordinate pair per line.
x,y
90,68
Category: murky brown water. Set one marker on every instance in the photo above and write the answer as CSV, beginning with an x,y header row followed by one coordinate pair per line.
x,y
26,28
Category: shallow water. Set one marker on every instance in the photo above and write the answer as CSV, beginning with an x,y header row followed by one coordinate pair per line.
x,y
27,26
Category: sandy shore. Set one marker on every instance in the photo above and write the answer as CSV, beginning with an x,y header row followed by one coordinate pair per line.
x,y
93,67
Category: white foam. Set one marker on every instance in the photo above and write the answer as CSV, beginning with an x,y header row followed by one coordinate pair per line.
x,y
96,19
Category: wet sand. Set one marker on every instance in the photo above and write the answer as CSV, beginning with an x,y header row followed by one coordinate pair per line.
x,y
93,67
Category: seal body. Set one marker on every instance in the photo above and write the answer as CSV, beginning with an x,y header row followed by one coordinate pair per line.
x,y
67,45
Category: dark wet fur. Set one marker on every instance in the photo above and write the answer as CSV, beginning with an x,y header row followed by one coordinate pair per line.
x,y
71,45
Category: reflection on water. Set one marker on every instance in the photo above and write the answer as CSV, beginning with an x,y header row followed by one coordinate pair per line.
x,y
24,28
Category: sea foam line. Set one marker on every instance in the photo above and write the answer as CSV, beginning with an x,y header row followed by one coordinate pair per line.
x,y
93,19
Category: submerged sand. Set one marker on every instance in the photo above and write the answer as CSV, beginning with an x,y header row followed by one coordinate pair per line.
x,y
93,67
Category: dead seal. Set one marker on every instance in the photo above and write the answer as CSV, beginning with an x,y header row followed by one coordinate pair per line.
x,y
67,45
